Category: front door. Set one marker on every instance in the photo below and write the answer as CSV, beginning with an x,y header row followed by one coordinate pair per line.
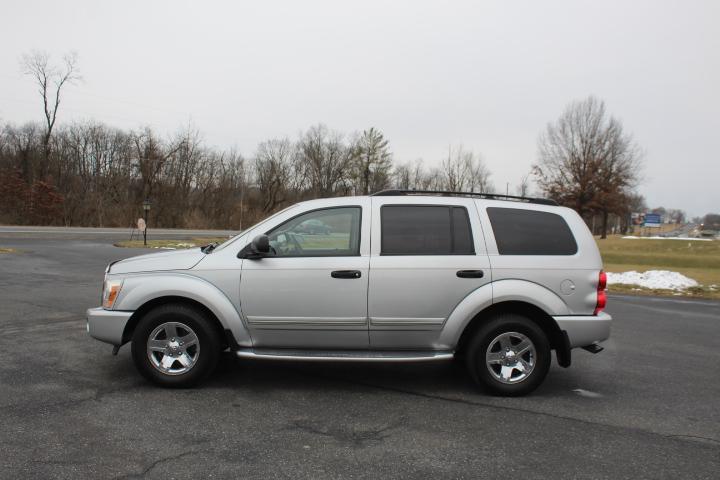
x,y
312,292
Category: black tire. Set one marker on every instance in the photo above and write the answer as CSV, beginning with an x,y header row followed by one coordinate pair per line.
x,y
208,341
475,355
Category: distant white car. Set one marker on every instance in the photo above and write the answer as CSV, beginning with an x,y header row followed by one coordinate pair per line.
x,y
399,276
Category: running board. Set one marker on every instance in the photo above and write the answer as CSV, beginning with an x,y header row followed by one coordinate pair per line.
x,y
344,355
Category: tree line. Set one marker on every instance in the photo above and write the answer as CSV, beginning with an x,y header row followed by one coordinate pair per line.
x,y
92,174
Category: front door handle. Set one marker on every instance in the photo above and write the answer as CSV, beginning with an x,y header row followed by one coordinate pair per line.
x,y
470,273
346,274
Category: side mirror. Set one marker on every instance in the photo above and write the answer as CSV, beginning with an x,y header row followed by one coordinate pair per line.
x,y
261,244
258,248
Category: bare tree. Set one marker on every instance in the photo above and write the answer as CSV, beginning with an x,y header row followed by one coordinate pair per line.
x,y
325,159
523,189
371,162
587,162
464,170
619,169
412,176
50,80
275,170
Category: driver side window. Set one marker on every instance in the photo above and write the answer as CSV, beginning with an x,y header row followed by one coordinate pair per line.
x,y
329,232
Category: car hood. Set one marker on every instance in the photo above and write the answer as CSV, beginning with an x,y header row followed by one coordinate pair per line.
x,y
170,260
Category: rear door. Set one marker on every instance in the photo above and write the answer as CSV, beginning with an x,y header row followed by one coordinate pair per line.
x,y
427,254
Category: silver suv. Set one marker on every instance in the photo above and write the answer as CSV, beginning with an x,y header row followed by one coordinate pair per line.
x,y
399,276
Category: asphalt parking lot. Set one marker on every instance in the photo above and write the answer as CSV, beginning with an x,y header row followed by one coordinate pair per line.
x,y
646,407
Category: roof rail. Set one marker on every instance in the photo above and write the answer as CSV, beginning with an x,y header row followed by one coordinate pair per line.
x,y
488,196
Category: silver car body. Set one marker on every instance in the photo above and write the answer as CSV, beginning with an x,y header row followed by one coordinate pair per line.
x,y
399,303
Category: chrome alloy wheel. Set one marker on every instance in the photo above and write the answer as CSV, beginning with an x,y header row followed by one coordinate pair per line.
x,y
510,357
173,348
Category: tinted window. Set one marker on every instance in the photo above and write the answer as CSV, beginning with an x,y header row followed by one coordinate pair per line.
x,y
320,233
529,232
425,230
462,236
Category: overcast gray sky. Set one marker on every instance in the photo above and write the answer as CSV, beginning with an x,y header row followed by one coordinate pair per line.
x,y
487,75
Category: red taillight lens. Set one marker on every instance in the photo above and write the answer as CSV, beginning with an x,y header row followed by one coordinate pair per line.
x,y
601,302
601,295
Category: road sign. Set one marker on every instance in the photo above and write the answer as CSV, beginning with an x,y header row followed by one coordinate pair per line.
x,y
652,220
141,224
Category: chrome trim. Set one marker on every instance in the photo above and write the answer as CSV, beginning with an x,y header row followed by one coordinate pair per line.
x,y
406,322
345,356
307,321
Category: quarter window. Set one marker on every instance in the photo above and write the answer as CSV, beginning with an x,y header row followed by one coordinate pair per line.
x,y
329,232
530,232
425,230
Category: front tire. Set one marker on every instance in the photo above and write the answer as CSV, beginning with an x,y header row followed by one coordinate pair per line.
x,y
175,346
509,355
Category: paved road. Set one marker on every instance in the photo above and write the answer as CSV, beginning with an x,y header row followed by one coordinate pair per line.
x,y
646,407
116,234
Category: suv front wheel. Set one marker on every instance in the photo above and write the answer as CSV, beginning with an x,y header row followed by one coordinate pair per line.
x,y
175,346
509,355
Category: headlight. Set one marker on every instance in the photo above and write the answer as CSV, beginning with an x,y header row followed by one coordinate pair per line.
x,y
111,289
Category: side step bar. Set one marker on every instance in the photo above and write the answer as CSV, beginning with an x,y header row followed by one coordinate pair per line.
x,y
344,355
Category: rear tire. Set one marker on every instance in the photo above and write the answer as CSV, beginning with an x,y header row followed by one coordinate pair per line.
x,y
176,346
509,355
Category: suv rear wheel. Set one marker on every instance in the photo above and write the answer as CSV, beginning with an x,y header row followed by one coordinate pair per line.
x,y
509,355
175,346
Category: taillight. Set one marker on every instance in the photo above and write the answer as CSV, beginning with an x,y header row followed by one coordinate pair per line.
x,y
602,281
601,295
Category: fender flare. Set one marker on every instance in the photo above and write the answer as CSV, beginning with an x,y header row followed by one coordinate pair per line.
x,y
493,293
135,293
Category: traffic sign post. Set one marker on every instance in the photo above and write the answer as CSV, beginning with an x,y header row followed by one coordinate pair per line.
x,y
146,210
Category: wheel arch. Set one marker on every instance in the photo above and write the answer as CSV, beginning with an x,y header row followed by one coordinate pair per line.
x,y
139,294
171,300
532,312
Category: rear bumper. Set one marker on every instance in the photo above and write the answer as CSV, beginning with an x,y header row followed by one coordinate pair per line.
x,y
107,325
584,330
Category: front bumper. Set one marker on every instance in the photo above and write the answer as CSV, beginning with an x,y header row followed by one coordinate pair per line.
x,y
107,325
583,330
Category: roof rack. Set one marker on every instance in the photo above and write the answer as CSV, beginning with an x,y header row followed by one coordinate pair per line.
x,y
488,196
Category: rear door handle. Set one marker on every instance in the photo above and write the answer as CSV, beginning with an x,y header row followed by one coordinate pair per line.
x,y
346,274
470,273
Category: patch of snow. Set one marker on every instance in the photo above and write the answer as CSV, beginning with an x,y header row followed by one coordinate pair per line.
x,y
633,237
660,279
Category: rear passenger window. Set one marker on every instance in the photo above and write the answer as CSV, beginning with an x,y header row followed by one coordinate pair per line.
x,y
425,230
531,232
